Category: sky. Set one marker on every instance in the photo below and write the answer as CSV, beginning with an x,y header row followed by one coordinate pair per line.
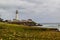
x,y
41,11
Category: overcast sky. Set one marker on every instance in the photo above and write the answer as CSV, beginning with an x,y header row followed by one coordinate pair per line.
x,y
42,11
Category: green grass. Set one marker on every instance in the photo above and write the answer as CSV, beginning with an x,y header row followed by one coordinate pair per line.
x,y
22,32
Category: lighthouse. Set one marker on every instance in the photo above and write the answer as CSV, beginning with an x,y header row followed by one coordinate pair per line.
x,y
16,15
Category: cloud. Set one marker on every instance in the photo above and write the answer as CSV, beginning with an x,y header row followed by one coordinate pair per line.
x,y
43,11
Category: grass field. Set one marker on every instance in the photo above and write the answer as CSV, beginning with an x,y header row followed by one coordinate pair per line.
x,y
22,32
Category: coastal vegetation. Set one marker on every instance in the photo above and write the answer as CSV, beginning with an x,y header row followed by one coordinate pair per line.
x,y
23,32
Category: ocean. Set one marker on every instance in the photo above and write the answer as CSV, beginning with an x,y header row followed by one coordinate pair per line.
x,y
51,25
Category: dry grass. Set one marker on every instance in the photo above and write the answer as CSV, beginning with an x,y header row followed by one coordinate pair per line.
x,y
21,32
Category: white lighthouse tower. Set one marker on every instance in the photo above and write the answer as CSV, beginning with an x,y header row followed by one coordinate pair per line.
x,y
16,15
